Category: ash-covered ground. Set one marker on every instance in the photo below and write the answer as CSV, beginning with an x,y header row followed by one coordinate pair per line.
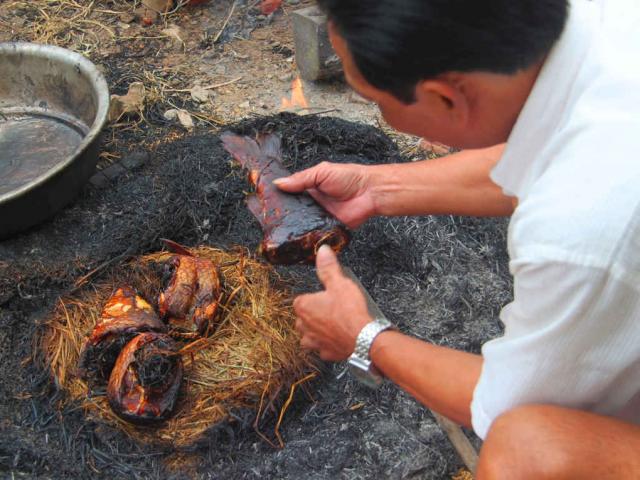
x,y
443,279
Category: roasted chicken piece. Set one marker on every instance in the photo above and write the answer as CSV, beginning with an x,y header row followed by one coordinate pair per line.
x,y
294,226
145,381
191,298
124,315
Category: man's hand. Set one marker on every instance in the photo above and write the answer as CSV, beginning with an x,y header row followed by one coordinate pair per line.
x,y
329,321
343,189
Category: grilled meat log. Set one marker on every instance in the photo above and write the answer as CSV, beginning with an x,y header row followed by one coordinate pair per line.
x,y
145,381
294,226
124,315
191,298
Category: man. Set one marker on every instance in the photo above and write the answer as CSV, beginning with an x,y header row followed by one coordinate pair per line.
x,y
558,396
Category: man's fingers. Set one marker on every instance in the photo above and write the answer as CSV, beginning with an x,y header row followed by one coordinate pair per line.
x,y
300,181
328,202
301,304
328,356
327,266
309,343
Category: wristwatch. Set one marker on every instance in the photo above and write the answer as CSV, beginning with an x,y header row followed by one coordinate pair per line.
x,y
360,363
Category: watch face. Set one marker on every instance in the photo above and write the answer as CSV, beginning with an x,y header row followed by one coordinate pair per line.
x,y
367,376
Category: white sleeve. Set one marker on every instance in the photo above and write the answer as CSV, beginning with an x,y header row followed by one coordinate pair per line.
x,y
572,338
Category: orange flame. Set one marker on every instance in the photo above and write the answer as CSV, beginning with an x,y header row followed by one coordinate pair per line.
x,y
297,97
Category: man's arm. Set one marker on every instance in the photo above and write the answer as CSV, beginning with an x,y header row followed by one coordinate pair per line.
x,y
440,378
457,184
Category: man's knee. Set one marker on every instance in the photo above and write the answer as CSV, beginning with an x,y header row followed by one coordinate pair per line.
x,y
522,445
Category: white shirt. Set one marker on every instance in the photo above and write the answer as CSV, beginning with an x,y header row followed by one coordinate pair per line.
x,y
572,332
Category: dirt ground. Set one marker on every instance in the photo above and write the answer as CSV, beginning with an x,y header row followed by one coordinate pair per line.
x,y
442,279
253,61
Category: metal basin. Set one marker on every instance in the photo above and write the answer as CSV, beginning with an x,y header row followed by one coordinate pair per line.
x,y
53,105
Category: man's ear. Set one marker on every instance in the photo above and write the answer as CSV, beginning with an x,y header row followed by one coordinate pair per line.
x,y
444,99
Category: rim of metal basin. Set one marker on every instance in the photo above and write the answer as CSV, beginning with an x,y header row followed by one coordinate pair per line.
x,y
87,68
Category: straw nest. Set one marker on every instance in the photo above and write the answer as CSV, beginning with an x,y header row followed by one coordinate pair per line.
x,y
252,360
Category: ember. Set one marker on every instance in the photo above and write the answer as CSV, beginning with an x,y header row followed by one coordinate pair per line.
x,y
294,226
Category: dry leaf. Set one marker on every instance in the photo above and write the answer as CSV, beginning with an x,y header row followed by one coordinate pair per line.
x,y
150,10
132,102
147,16
200,94
171,114
127,17
174,32
160,6
185,119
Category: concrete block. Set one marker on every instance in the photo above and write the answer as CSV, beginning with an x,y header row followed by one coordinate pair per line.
x,y
314,55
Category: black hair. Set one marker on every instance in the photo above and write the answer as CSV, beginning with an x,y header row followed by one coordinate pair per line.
x,y
397,43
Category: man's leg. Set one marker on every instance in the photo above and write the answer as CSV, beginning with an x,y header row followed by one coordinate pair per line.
x,y
544,442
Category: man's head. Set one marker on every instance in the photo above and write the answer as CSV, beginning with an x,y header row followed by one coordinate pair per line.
x,y
408,55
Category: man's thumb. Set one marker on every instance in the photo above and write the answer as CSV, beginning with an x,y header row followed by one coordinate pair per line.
x,y
327,265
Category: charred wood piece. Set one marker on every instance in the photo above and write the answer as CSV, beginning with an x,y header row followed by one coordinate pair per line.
x,y
294,226
145,381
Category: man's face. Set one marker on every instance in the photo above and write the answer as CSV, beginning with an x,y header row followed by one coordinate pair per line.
x,y
416,118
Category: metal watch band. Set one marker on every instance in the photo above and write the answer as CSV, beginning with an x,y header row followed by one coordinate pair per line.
x,y
368,333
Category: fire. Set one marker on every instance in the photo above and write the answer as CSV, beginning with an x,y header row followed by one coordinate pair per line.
x,y
297,97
